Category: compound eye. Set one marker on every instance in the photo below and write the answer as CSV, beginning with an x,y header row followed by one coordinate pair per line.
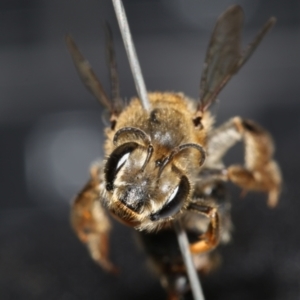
x,y
174,202
116,161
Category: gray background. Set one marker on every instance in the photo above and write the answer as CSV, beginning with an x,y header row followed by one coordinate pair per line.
x,y
51,130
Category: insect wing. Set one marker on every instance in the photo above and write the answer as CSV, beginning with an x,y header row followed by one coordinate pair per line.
x,y
224,57
223,54
87,74
113,71
251,47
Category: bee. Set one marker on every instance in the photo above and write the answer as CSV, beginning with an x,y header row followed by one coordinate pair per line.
x,y
165,163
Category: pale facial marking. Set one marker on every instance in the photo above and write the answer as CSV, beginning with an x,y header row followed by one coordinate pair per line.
x,y
123,159
173,195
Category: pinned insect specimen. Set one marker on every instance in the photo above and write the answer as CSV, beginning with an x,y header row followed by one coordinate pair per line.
x,y
163,162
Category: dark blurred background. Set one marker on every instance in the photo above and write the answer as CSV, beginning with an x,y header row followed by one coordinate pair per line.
x,y
51,130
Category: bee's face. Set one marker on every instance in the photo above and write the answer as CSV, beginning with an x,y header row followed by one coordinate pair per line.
x,y
147,185
141,188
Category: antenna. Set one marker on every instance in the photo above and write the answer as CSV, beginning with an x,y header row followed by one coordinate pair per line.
x,y
131,54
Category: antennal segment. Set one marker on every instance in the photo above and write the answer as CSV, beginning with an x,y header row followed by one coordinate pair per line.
x,y
131,53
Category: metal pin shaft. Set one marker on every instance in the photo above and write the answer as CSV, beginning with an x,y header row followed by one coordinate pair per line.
x,y
189,264
131,53
142,92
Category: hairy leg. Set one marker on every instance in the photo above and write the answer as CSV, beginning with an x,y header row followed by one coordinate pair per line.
x,y
90,221
259,172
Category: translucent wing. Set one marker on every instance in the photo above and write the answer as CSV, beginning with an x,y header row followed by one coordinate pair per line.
x,y
251,47
224,56
87,74
113,71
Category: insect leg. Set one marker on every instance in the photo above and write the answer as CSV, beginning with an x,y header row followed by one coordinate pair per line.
x,y
259,172
209,239
90,221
